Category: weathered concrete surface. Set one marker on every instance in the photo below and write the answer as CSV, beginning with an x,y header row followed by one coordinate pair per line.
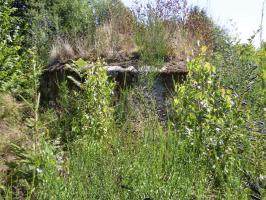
x,y
163,84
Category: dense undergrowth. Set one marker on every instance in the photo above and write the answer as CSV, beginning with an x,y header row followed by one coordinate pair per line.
x,y
95,144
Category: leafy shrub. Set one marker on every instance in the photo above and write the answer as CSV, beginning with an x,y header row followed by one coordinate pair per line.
x,y
104,8
16,63
215,133
211,120
260,83
10,59
94,27
85,111
85,124
53,19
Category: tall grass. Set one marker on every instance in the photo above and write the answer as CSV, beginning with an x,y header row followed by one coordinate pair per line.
x,y
204,150
94,145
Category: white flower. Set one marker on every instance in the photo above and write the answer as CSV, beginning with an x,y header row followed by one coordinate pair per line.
x,y
204,103
198,43
188,131
39,170
218,130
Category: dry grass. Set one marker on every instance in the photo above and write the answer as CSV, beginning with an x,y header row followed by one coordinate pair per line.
x,y
9,109
109,41
116,38
11,130
182,45
185,39
68,48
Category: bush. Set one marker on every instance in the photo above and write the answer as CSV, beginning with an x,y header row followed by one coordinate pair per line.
x,y
53,19
213,123
200,27
10,59
86,110
15,61
170,30
87,148
84,124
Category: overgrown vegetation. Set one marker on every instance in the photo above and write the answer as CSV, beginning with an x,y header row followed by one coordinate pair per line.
x,y
98,143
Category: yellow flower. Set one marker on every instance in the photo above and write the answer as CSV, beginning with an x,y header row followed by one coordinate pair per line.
x,y
204,49
209,68
264,74
223,92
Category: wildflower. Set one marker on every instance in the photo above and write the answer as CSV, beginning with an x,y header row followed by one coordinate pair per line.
x,y
204,104
39,170
218,130
188,131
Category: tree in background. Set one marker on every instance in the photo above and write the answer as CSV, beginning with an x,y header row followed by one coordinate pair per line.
x,y
15,60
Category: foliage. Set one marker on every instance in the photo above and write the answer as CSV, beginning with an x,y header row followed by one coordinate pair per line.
x,y
16,63
84,131
53,19
77,24
212,121
104,9
89,106
151,31
90,146
10,61
170,29
207,138
200,26
262,70
241,68
151,40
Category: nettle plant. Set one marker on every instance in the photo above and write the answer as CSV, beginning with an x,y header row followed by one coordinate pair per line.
x,y
209,118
